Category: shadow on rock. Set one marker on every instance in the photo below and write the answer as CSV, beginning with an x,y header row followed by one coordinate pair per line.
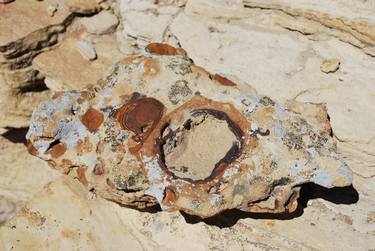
x,y
16,135
337,195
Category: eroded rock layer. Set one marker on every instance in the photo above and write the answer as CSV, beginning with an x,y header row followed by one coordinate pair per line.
x,y
161,130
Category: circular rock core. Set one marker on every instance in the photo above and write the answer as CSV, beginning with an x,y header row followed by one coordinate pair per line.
x,y
194,149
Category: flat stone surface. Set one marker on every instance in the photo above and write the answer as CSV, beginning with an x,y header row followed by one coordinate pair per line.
x,y
86,49
278,53
68,66
201,148
83,6
19,18
291,68
16,184
97,223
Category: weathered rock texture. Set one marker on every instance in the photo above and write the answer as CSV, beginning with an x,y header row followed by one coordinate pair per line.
x,y
27,30
160,129
277,46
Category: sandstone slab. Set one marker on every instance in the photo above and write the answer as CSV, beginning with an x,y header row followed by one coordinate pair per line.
x,y
65,68
17,186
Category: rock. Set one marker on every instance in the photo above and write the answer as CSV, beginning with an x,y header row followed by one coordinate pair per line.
x,y
330,65
146,21
67,230
351,22
217,141
102,23
22,37
66,69
86,49
16,184
17,100
277,46
296,70
90,223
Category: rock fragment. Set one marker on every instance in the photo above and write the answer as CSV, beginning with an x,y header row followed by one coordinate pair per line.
x,y
136,139
330,65
79,72
102,23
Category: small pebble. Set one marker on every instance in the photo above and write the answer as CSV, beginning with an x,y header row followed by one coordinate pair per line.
x,y
330,65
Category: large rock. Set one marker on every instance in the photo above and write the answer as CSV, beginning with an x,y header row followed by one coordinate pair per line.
x,y
291,68
198,142
221,36
29,28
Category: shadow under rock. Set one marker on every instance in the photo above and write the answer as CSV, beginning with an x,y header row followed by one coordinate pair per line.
x,y
16,135
337,195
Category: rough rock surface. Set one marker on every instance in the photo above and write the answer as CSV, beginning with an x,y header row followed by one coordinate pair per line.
x,y
276,46
101,225
140,136
102,23
29,28
17,186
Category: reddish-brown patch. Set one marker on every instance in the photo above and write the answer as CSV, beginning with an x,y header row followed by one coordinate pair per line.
x,y
170,197
134,147
164,49
140,116
52,164
223,81
92,119
99,169
31,149
81,176
57,150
